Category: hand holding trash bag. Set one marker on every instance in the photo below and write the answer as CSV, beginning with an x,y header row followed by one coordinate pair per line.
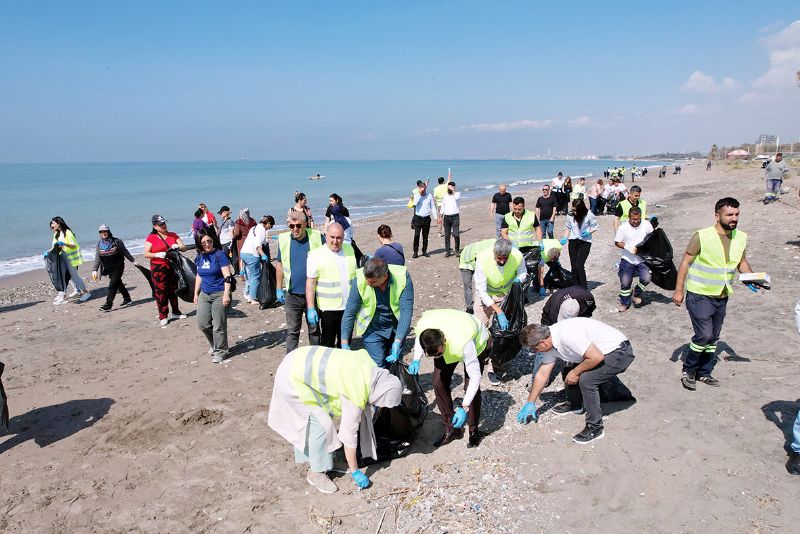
x,y
413,368
395,354
502,321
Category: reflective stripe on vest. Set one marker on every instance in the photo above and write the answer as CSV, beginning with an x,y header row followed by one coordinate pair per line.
x,y
458,328
329,279
499,280
397,283
320,376
709,274
522,234
285,246
626,206
469,253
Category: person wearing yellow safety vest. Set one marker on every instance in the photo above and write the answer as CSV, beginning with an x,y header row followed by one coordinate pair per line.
x,y
290,275
439,192
379,309
521,226
451,337
496,270
67,243
329,272
466,265
313,385
708,267
628,236
633,201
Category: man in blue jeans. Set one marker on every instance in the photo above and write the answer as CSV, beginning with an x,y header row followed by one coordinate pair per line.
x,y
630,234
501,204
546,211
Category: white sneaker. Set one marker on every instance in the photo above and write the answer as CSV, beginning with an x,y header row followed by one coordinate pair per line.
x,y
164,322
176,316
86,296
211,351
321,482
74,293
59,300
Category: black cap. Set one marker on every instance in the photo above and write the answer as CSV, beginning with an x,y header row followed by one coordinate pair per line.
x,y
420,182
158,220
223,208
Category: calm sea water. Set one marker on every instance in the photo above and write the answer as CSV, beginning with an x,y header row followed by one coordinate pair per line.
x,y
125,195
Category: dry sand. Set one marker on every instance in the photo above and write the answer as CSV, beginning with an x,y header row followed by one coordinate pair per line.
x,y
119,425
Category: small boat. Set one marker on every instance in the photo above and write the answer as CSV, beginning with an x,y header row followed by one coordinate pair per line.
x,y
316,177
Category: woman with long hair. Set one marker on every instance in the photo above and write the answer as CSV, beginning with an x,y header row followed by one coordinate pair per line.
x,y
241,227
109,260
164,279
580,226
64,238
301,205
212,293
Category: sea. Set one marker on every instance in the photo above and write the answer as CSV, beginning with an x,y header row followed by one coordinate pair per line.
x,y
124,196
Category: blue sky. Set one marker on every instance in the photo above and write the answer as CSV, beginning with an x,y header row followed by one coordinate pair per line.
x,y
130,81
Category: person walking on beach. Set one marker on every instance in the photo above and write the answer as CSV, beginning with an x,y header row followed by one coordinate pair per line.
x,y
109,260
546,206
450,214
630,234
595,196
466,266
163,277
521,226
776,171
226,229
580,226
708,268
424,211
241,228
451,337
301,205
633,200
212,293
290,274
208,217
439,192
564,196
379,309
330,271
64,238
500,206
255,250
593,352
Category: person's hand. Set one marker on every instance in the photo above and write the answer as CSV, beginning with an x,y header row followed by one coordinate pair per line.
x,y
280,294
586,234
361,480
527,414
677,297
264,257
563,241
502,321
345,346
175,246
572,378
459,418
312,316
94,276
195,298
631,248
517,280
226,299
136,264
161,255
45,253
542,291
752,287
541,246
60,243
275,237
413,368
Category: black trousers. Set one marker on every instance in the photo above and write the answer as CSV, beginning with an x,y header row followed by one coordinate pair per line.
x,y
578,252
421,225
451,226
442,381
115,284
330,323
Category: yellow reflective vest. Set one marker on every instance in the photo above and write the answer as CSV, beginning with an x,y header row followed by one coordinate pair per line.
x,y
459,328
285,246
709,274
469,253
369,302
626,206
321,376
499,280
329,279
73,254
522,234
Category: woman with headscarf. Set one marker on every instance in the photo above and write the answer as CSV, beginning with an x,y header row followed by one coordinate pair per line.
x,y
241,228
109,260
67,243
163,276
315,384
301,205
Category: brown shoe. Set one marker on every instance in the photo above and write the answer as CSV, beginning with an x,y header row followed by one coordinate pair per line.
x,y
321,482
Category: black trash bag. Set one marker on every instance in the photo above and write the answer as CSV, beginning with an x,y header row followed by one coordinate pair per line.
x,y
186,273
656,251
266,294
532,259
505,343
557,276
3,402
148,275
397,428
615,391
56,265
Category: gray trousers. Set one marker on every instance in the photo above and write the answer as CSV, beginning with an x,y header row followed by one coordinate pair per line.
x,y
211,320
75,279
615,362
466,279
295,307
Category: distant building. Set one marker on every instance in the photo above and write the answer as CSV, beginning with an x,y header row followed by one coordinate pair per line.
x,y
765,139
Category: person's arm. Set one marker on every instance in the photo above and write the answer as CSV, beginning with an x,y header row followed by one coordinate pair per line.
x,y
683,270
492,207
418,352
538,230
348,431
479,282
591,359
522,271
540,381
473,367
434,212
311,291
69,240
125,251
227,271
197,281
744,265
148,247
96,265
538,210
350,313
278,274
567,227
180,244
406,310
504,232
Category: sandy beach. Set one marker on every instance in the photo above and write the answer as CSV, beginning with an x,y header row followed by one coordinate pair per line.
x,y
119,425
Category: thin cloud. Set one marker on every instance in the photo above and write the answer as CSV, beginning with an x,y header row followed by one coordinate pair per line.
x,y
689,109
427,131
525,124
701,82
781,75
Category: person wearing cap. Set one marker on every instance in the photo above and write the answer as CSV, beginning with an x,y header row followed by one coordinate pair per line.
x,y
163,278
226,228
776,171
424,212
330,271
255,250
109,260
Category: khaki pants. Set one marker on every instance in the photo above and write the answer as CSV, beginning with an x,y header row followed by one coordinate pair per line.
x,y
485,314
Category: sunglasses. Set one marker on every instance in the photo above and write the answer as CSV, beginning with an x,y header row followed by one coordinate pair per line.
x,y
293,226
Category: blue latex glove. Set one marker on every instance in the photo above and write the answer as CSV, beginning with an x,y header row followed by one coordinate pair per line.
x,y
502,320
527,414
280,294
395,354
459,418
541,247
60,243
542,291
413,368
275,237
312,316
517,280
586,234
265,257
345,346
362,481
752,288
563,241
45,253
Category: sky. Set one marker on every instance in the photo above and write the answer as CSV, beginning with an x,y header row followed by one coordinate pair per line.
x,y
91,81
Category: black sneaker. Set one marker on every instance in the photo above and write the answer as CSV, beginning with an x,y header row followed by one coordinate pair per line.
x,y
566,407
709,380
415,255
688,381
126,303
588,434
105,308
447,254
470,311
474,439
494,379
426,254
793,464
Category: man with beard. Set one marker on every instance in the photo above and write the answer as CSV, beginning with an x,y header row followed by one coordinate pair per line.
x,y
708,267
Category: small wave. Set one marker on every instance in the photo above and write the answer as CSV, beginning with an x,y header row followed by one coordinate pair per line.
x,y
404,199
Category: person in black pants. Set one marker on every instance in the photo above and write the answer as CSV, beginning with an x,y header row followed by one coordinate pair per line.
x,y
424,211
109,260
580,226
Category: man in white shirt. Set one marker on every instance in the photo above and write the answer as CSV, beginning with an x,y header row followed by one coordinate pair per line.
x,y
596,352
255,249
424,212
629,235
450,219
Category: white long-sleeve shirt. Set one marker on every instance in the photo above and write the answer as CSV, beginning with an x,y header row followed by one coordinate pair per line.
x,y
471,364
479,281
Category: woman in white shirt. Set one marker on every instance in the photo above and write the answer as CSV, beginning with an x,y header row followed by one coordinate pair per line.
x,y
580,226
